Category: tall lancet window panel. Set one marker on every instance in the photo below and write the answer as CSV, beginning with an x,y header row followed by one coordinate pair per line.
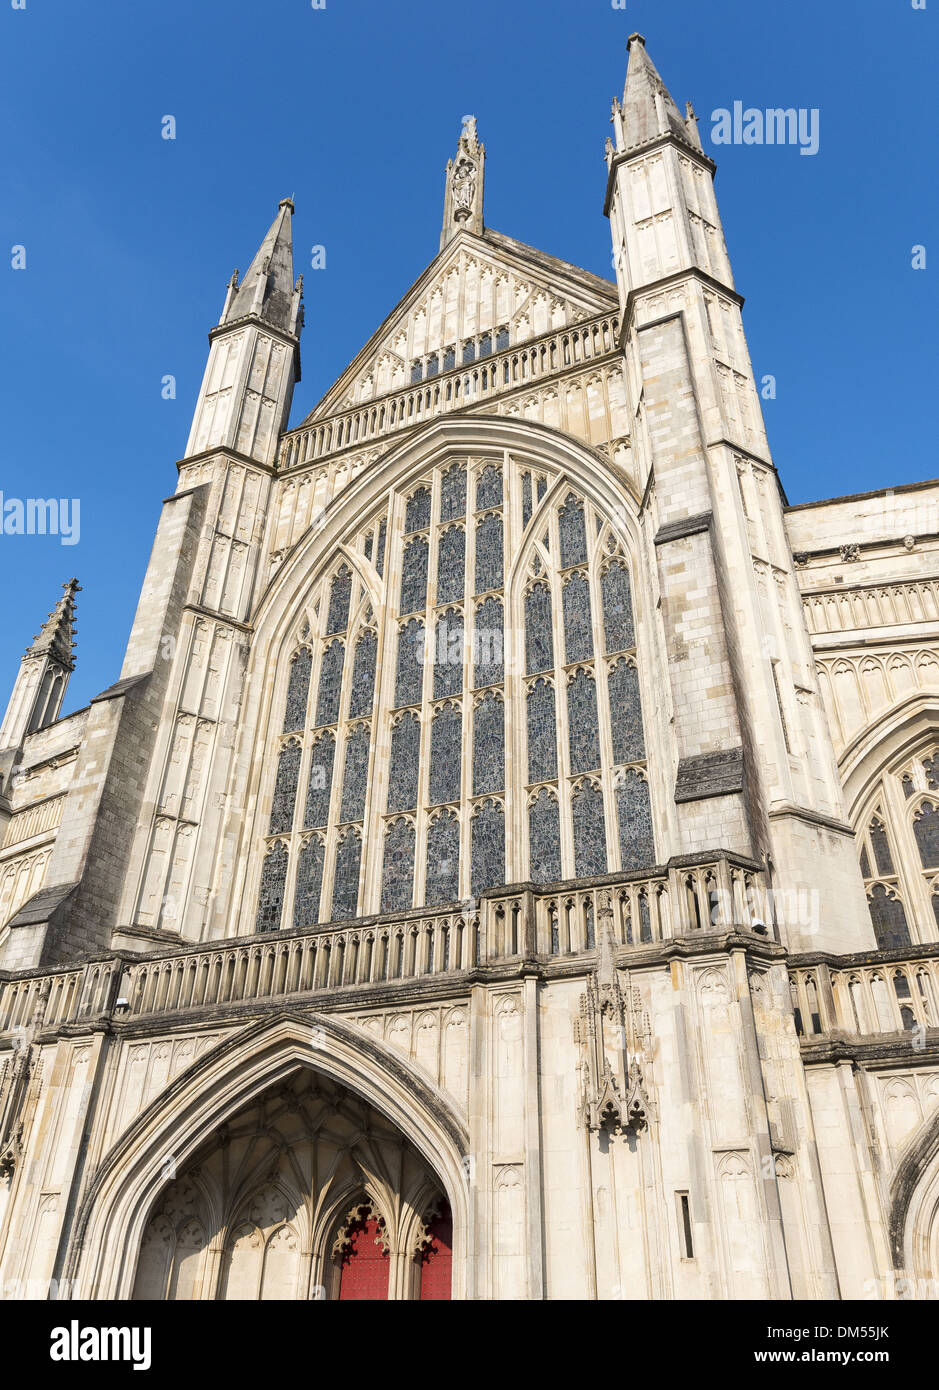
x,y
461,703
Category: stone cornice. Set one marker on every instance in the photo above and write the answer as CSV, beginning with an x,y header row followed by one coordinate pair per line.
x,y
226,455
649,147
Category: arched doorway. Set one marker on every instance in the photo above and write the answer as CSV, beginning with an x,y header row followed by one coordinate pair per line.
x,y
308,1192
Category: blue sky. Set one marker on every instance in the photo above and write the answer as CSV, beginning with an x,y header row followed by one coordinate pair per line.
x,y
356,108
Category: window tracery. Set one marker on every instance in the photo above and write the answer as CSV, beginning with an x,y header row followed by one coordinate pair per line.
x,y
475,720
898,851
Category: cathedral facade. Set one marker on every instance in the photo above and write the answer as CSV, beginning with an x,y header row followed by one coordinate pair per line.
x,y
507,864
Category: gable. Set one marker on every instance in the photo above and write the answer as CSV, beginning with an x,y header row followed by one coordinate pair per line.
x,y
477,286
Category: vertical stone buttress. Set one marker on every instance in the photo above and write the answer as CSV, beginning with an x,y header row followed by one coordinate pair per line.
x,y
753,764
139,830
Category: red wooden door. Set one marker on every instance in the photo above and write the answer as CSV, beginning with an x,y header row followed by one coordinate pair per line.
x,y
437,1259
364,1273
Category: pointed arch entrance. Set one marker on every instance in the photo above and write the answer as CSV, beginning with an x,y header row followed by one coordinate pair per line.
x,y
914,1216
253,1215
237,1181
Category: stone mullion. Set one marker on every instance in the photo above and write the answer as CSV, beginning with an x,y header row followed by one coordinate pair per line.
x,y
386,654
601,682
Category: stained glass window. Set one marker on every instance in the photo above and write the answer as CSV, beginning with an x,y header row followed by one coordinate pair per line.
x,y
626,714
339,596
306,903
443,860
542,733
488,847
346,879
404,763
446,749
363,675
327,706
544,838
578,633
583,731
273,884
285,789
397,880
319,784
589,831
298,688
451,562
573,533
488,746
355,774
617,609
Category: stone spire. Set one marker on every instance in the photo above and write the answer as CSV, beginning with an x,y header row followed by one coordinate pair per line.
x,y
647,111
268,291
45,667
57,637
463,192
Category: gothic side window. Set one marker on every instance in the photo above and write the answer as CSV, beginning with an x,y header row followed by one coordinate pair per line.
x,y
889,917
926,830
465,709
589,829
446,750
885,891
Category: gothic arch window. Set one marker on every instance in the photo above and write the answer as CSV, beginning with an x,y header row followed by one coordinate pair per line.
x,y
898,850
465,709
